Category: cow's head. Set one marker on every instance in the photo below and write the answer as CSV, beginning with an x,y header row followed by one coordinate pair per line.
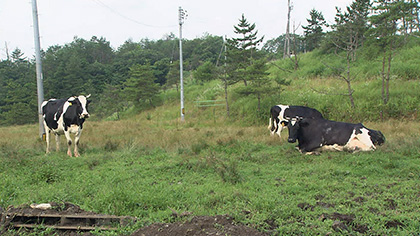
x,y
294,124
84,104
81,104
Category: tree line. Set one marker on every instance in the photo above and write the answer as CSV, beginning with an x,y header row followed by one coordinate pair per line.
x,y
135,72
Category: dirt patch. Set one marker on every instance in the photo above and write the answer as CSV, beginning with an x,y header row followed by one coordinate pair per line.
x,y
343,222
394,224
199,226
390,204
306,206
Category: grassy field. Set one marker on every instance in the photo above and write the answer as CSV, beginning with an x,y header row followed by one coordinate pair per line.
x,y
147,164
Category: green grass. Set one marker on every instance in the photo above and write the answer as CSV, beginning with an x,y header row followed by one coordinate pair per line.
x,y
265,184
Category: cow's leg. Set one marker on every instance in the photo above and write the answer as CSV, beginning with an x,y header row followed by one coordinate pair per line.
x,y
308,147
76,143
47,137
270,126
281,127
68,138
57,142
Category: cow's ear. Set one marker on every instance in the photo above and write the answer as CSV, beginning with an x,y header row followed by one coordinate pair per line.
x,y
88,101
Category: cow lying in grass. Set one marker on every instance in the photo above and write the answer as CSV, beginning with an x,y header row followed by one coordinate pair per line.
x,y
321,134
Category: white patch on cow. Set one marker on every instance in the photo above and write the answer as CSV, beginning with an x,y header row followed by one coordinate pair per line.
x,y
360,142
334,147
74,129
67,104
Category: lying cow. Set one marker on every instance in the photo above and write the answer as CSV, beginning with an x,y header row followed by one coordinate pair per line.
x,y
278,120
65,116
322,134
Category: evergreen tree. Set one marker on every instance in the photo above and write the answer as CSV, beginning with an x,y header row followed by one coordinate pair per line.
x,y
205,72
243,49
260,83
173,77
313,31
351,26
140,87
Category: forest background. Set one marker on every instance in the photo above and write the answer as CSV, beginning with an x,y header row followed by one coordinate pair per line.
x,y
368,53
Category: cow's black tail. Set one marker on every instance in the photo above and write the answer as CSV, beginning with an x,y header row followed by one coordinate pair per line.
x,y
377,137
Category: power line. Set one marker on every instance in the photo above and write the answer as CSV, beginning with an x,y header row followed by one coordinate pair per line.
x,y
99,2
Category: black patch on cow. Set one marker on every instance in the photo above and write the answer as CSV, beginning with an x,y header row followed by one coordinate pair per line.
x,y
52,111
376,137
302,111
358,129
275,111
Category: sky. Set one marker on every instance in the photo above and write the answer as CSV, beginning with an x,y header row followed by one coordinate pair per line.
x,y
121,20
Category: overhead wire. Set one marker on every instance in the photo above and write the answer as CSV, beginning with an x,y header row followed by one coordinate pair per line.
x,y
99,2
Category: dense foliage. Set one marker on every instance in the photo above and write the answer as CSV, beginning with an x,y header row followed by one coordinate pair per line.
x,y
364,33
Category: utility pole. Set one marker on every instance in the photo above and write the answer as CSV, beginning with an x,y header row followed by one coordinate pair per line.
x,y
286,52
39,79
181,21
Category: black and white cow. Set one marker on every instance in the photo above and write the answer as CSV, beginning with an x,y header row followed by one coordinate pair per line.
x,y
65,116
321,134
278,120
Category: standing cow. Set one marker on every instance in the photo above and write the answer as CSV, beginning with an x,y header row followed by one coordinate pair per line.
x,y
321,134
278,120
65,116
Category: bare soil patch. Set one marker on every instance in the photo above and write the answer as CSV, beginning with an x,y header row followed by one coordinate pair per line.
x,y
199,226
195,226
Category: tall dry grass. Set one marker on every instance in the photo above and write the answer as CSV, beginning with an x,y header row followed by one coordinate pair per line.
x,y
172,135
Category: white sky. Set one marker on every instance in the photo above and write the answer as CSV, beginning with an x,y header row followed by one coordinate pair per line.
x,y
119,20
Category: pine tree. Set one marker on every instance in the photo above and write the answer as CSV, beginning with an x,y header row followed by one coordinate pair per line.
x,y
313,31
242,50
140,87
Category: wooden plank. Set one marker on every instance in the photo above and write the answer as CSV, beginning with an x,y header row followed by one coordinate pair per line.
x,y
31,226
67,216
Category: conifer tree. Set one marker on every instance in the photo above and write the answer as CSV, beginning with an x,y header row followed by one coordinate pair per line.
x,y
243,49
140,87
313,31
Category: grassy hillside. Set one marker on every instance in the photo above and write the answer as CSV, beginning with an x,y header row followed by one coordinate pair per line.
x,y
149,161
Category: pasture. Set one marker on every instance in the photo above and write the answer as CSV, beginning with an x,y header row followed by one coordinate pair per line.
x,y
145,165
